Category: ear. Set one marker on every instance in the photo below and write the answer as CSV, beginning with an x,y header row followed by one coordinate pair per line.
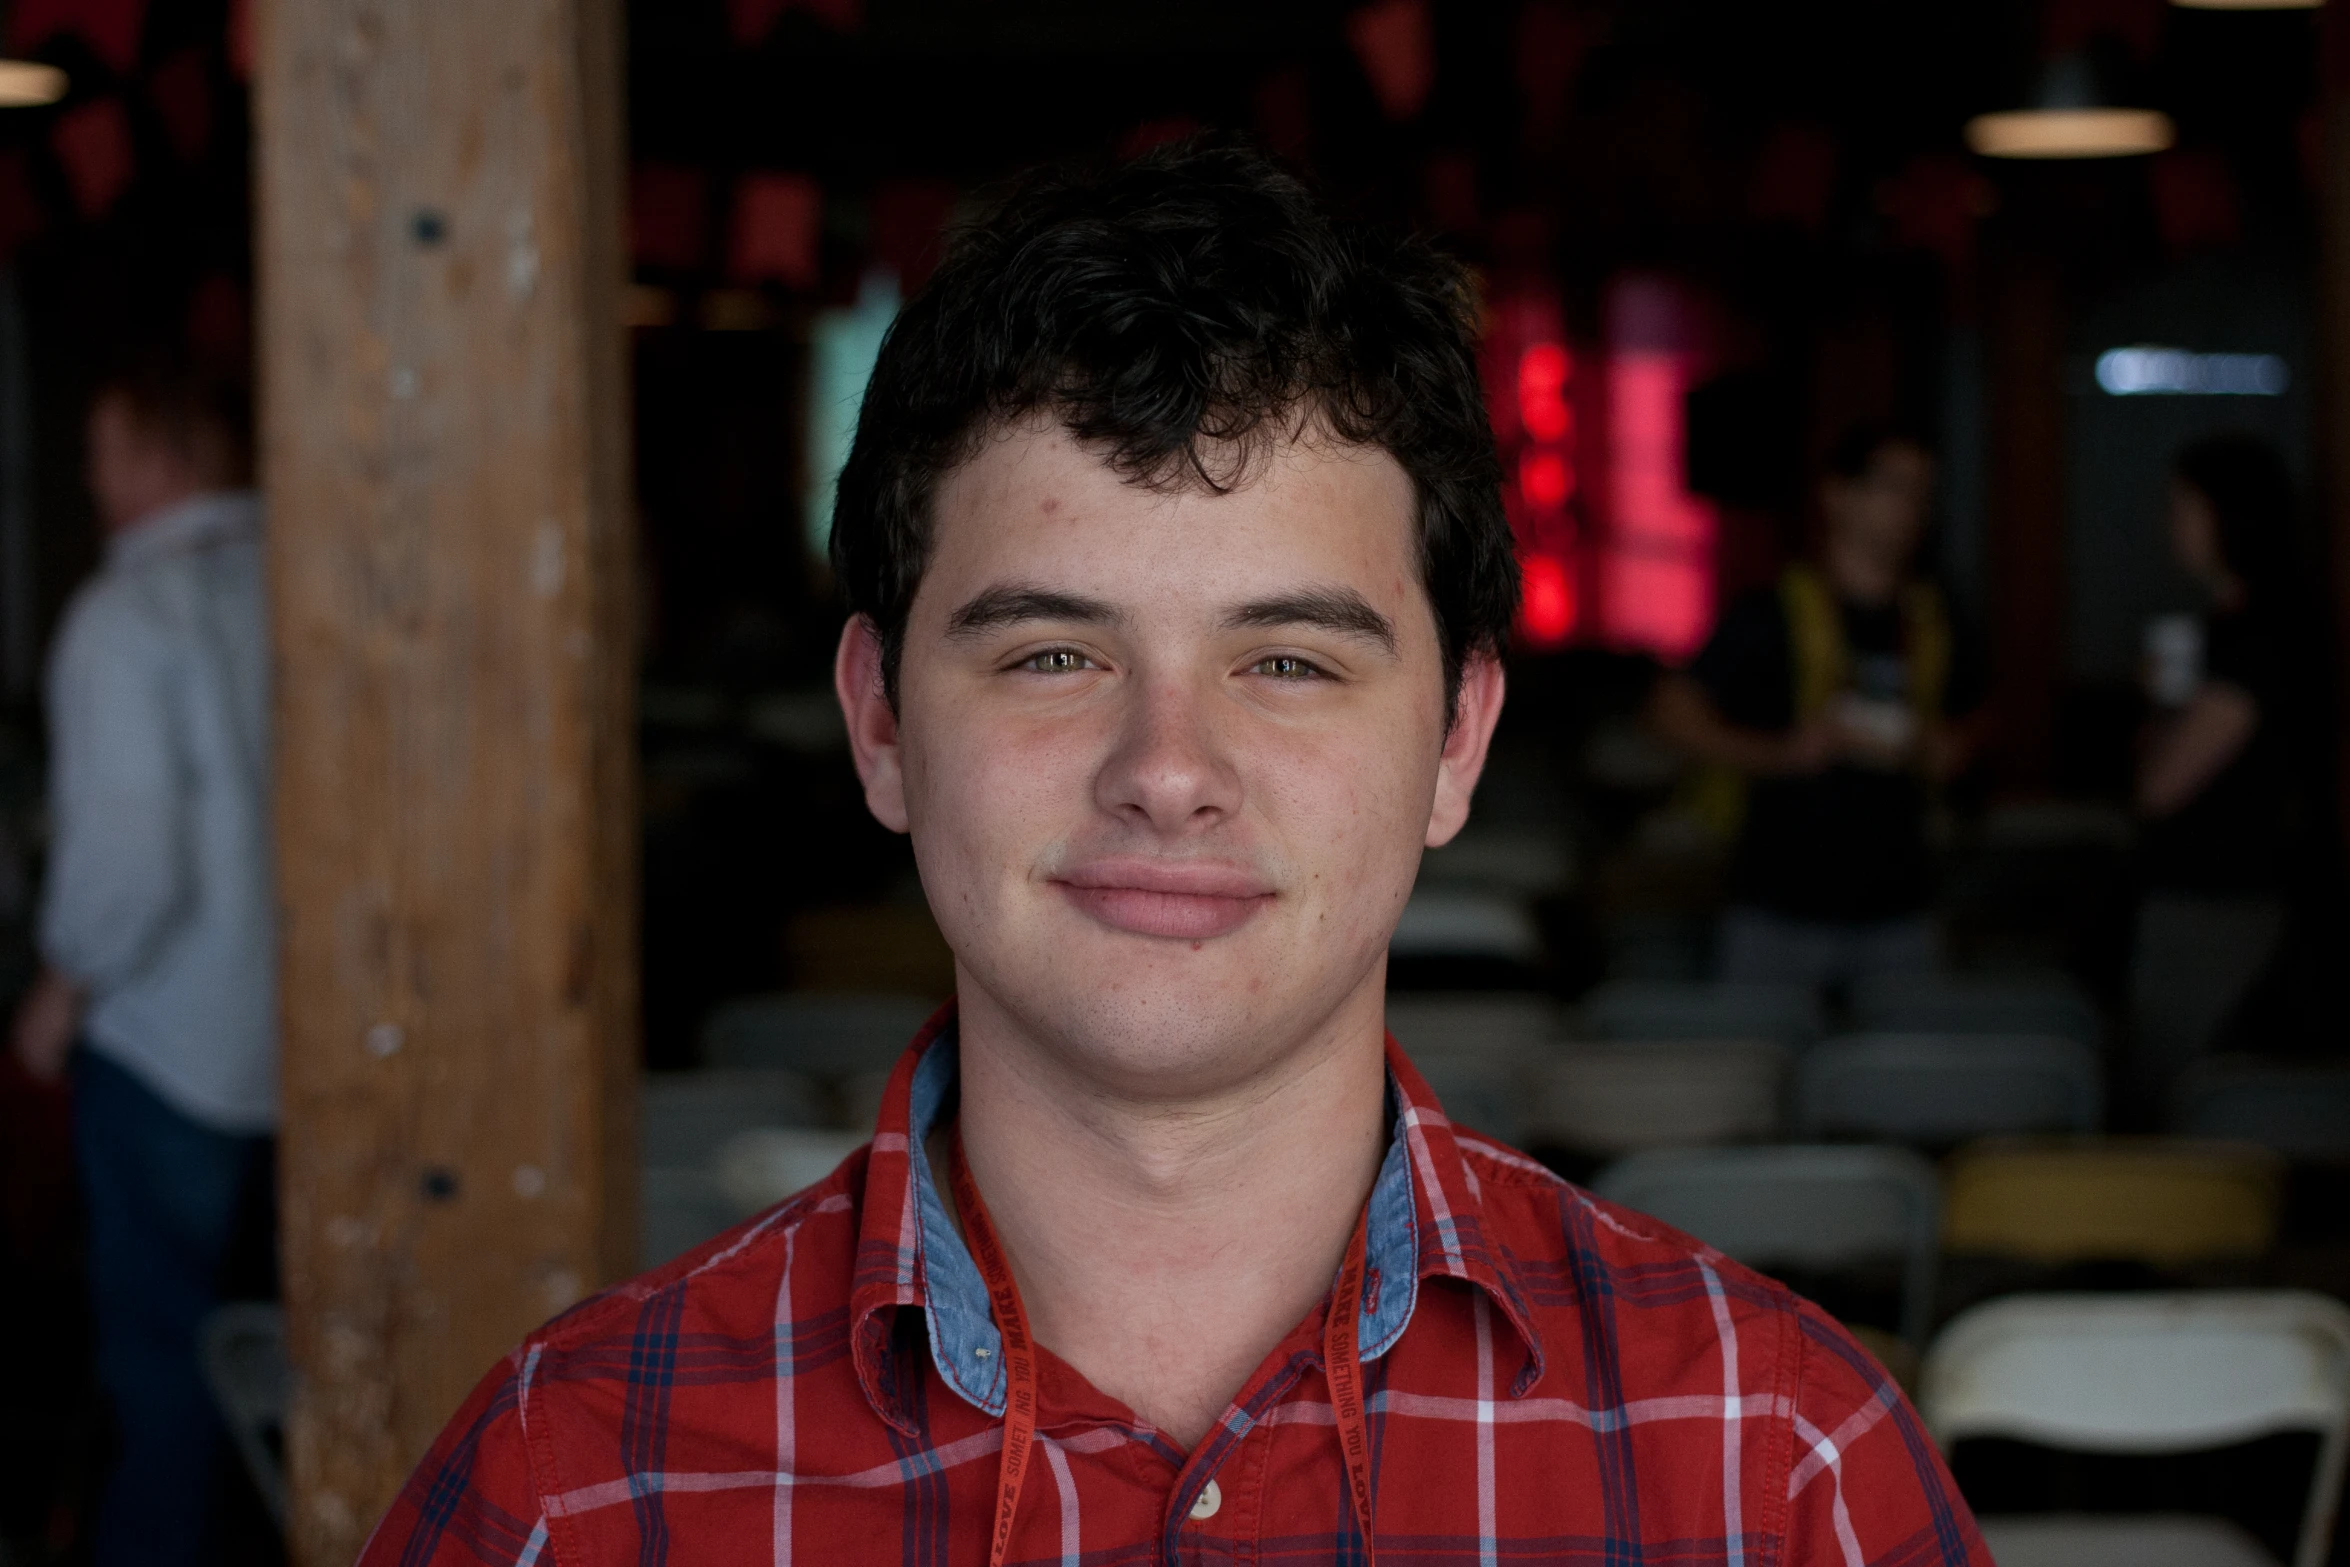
x,y
873,724
1474,715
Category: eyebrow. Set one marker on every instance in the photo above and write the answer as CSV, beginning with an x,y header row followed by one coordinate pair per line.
x,y
1340,610
1009,606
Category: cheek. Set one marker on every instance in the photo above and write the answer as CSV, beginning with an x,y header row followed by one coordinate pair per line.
x,y
985,798
1349,810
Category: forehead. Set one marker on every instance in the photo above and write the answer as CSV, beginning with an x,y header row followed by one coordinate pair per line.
x,y
1035,503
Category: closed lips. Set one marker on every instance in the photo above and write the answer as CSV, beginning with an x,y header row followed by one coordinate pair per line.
x,y
1179,901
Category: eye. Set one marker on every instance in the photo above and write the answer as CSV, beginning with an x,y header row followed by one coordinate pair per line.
x,y
1286,666
1056,661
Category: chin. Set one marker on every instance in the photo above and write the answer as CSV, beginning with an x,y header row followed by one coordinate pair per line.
x,y
1147,1017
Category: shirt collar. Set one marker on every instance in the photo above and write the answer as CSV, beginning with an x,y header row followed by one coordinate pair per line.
x,y
188,524
1426,1221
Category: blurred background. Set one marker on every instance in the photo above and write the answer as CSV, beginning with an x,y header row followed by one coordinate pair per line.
x,y
1729,257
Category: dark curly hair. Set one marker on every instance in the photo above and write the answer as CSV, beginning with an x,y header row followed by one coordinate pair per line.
x,y
1181,314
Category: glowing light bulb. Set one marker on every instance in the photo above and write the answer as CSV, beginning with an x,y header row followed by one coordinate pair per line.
x,y
1544,478
1546,603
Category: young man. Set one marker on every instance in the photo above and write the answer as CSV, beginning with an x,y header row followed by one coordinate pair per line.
x,y
156,925
1173,534
1837,698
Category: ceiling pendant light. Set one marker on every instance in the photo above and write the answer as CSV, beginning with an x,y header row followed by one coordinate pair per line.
x,y
27,84
2070,116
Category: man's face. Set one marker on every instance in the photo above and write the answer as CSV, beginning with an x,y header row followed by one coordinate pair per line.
x,y
1882,511
135,471
1169,759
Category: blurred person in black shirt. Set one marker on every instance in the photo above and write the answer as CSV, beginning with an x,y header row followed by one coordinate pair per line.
x,y
2221,772
1830,705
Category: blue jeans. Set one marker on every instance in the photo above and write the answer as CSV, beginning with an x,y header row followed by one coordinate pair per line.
x,y
164,1196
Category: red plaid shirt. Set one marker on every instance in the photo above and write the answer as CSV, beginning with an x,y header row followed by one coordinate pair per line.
x,y
1549,1378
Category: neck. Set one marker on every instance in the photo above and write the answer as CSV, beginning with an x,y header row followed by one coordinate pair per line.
x,y
1163,1247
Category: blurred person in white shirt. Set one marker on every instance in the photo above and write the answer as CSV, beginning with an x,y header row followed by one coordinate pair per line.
x,y
157,989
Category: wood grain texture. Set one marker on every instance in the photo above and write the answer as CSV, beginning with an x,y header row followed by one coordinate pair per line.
x,y
445,455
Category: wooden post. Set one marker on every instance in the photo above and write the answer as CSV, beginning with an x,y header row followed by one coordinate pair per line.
x,y
444,451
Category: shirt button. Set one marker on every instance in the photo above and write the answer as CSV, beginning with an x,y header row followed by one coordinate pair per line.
x,y
1210,1502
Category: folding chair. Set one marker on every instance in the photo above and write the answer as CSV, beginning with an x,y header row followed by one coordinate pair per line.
x,y
860,1101
1477,1091
1620,1098
1941,1088
242,1347
1824,1208
2168,1202
2146,1373
823,1034
1976,1004
1450,935
1625,1009
686,1115
761,1167
678,1208
1497,1025
2302,1112
2120,1540
1531,861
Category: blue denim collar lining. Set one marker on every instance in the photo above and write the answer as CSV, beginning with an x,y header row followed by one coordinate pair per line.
x,y
964,1343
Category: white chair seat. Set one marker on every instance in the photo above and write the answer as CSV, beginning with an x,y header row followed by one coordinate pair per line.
x,y
760,1168
1478,1092
678,1209
1501,1026
2087,1540
1791,1206
2303,1112
1942,1088
1627,1009
2145,1373
1619,1098
821,1033
1976,1004
687,1115
1455,922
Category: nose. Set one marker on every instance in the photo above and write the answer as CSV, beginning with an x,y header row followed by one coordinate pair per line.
x,y
1171,771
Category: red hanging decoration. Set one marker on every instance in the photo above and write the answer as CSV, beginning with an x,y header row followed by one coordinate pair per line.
x,y
1934,204
220,321
1397,47
2195,202
21,216
909,216
240,39
1794,179
181,91
93,142
778,219
749,22
668,216
110,27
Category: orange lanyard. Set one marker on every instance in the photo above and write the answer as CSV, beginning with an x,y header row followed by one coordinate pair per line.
x,y
1341,1353
1019,1349
1342,1364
